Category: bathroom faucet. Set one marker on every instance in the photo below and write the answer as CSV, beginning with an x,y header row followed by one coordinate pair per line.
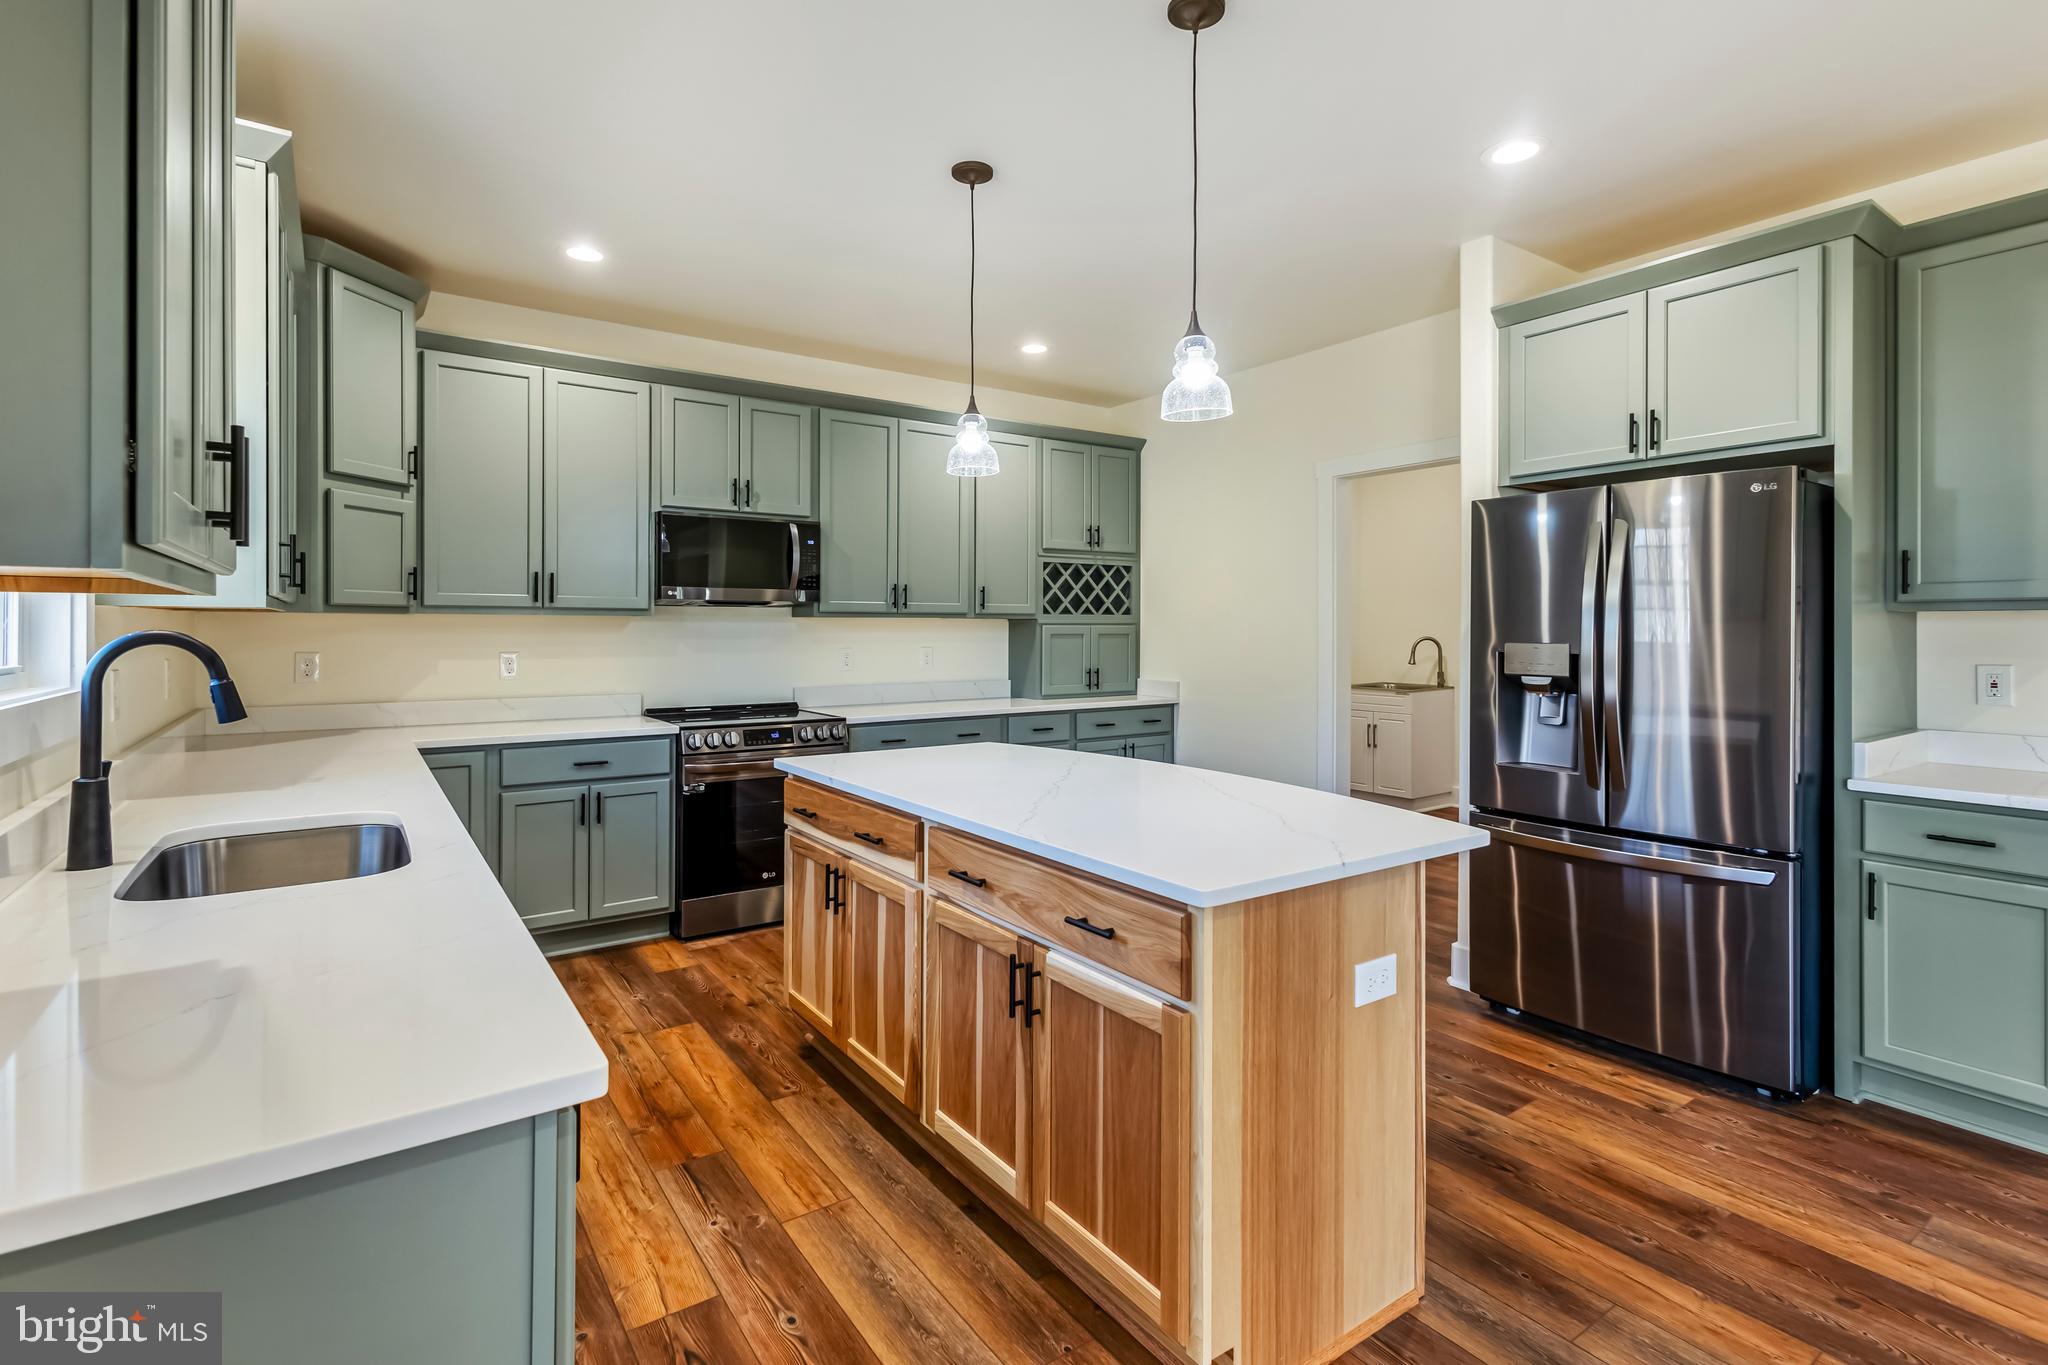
x,y
1438,680
92,821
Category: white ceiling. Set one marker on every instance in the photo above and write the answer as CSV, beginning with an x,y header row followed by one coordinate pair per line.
x,y
775,171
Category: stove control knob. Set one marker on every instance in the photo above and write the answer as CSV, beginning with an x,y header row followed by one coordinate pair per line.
x,y
693,740
732,739
839,732
712,739
803,733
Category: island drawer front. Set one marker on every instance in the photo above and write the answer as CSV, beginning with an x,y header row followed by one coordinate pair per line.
x,y
1135,720
1979,840
1146,940
528,765
877,833
1051,727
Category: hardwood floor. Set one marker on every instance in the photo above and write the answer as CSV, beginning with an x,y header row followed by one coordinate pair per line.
x,y
741,1205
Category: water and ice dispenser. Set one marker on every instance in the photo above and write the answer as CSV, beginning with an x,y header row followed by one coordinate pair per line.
x,y
1543,728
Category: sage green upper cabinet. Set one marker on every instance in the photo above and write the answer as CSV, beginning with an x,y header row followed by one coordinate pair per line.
x,y
544,853
1574,388
776,460
1005,557
480,482
699,448
598,471
1955,978
631,835
934,525
1972,432
1088,499
1735,356
371,549
857,461
370,402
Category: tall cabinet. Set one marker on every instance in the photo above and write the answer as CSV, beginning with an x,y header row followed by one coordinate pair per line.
x,y
899,530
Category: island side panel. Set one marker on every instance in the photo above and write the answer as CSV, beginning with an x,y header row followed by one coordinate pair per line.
x,y
1314,1119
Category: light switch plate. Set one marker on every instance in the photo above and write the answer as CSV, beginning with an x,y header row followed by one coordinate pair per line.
x,y
1373,980
1994,684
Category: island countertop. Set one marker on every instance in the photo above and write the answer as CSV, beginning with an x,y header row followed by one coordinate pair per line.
x,y
1192,835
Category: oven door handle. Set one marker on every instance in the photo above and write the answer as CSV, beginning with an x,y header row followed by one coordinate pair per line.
x,y
696,776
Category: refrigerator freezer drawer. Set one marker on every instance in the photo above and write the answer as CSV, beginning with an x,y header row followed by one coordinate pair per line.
x,y
1705,958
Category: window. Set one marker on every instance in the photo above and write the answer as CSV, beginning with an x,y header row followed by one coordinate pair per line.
x,y
42,641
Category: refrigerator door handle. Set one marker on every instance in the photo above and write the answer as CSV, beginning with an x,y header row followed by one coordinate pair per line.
x,y
1611,652
1648,862
1589,653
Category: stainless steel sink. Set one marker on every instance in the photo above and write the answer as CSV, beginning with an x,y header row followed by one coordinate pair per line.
x,y
1395,687
267,859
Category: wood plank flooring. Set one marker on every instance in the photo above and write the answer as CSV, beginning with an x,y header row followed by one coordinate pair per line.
x,y
742,1205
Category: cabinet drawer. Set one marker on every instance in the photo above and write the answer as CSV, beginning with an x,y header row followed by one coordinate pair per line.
x,y
527,764
884,837
922,734
1143,939
1136,720
1054,727
1978,840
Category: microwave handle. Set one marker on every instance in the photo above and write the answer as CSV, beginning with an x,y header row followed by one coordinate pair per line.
x,y
796,558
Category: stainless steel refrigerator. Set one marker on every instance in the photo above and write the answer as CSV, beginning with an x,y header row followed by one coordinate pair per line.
x,y
1648,737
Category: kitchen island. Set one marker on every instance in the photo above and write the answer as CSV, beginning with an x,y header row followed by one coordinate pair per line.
x,y
1166,1021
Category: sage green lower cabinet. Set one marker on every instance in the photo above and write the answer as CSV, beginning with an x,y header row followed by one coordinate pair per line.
x,y
857,458
1735,356
544,853
1066,661
598,468
460,1252
465,781
1955,979
371,544
935,525
632,834
1005,548
480,482
1133,733
1115,653
1153,748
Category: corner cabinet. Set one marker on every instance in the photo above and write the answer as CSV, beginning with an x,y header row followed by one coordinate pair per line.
x,y
1972,433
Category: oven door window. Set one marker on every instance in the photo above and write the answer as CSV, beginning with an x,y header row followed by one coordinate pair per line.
x,y
724,552
731,833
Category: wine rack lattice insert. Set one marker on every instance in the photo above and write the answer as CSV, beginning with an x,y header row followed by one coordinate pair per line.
x,y
1070,588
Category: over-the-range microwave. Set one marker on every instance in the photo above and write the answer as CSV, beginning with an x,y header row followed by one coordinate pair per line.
x,y
709,559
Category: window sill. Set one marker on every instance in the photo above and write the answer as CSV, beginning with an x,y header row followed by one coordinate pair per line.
x,y
28,696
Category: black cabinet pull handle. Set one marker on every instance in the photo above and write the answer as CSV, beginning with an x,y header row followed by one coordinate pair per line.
x,y
1081,922
735,490
968,877
1031,1011
1154,720
906,597
831,888
600,808
984,599
1656,430
1016,1001
877,840
1632,433
1905,572
1043,729
1960,839
298,564
895,741
412,582
551,585
1105,725
536,585
412,465
807,814
749,501
583,808
234,453
1870,901
968,734
592,763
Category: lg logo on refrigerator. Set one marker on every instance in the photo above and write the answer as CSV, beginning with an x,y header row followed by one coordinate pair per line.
x,y
1771,487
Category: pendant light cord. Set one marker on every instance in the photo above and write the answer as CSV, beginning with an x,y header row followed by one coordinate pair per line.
x,y
973,265
1195,195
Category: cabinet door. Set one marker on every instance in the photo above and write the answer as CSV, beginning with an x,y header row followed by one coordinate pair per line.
x,y
1955,978
480,482
1574,388
1115,657
775,458
372,541
598,471
1113,1133
1114,492
976,1084
857,505
544,853
810,933
1972,459
1735,356
1361,753
1153,748
282,413
698,448
1393,755
882,926
1065,658
934,525
1066,510
1120,747
463,781
632,833
370,393
184,103
1005,559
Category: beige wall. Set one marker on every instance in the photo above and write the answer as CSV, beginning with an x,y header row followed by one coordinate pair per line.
x,y
1230,578
1405,572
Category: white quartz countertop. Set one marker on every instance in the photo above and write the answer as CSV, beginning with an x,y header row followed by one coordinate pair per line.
x,y
1947,765
1192,835
163,1054
877,712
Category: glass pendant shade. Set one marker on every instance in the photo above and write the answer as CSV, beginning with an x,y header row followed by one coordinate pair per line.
x,y
972,455
1197,393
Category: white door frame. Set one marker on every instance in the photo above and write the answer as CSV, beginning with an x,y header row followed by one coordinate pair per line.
x,y
1333,587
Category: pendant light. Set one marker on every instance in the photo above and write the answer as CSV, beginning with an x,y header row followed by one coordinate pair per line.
x,y
1197,392
972,457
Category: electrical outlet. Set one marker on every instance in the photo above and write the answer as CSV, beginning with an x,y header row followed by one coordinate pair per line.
x,y
846,661
1372,980
508,664
1994,684
926,656
306,667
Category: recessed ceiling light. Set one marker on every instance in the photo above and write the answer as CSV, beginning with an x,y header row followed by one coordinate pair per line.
x,y
1033,348
584,251
1515,149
